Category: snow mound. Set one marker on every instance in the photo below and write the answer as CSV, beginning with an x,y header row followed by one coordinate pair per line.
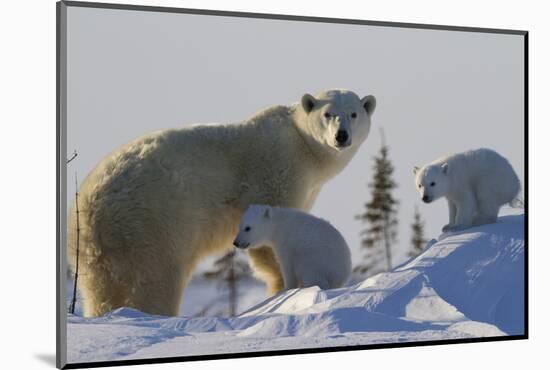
x,y
466,284
474,275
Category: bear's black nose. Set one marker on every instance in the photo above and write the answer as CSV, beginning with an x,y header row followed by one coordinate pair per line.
x,y
235,243
426,198
342,136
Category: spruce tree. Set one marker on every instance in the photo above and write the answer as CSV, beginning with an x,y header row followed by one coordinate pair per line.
x,y
417,240
381,217
229,270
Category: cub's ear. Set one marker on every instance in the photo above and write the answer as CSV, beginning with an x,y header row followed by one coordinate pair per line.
x,y
369,103
445,168
415,169
308,102
267,212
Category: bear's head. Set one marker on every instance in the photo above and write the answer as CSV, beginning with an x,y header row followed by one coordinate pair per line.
x,y
338,119
432,181
254,228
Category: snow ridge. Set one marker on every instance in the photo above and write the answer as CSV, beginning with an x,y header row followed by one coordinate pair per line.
x,y
466,284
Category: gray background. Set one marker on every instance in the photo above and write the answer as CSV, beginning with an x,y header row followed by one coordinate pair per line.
x,y
438,92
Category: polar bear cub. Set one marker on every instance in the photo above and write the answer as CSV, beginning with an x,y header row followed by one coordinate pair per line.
x,y
476,184
310,250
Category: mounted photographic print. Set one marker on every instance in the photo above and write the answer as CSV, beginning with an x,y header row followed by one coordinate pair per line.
x,y
236,184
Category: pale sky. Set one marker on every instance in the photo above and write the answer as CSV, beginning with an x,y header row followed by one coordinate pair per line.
x,y
438,92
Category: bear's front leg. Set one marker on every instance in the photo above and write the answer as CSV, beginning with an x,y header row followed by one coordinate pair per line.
x,y
452,216
266,267
465,212
289,278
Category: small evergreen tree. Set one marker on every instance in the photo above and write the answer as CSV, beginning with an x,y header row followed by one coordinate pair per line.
x,y
417,240
380,215
229,270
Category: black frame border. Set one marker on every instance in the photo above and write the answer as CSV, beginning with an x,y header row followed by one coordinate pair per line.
x,y
61,34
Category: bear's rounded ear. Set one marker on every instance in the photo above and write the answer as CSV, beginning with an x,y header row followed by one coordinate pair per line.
x,y
308,102
445,168
267,212
369,103
415,169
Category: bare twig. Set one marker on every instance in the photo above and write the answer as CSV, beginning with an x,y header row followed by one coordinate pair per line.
x,y
73,303
75,154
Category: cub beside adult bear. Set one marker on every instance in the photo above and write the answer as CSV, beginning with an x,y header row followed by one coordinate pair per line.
x,y
158,205
309,250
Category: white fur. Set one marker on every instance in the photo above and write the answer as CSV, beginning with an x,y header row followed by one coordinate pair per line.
x,y
155,207
310,250
476,184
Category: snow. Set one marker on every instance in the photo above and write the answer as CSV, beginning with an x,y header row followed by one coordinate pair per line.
x,y
468,284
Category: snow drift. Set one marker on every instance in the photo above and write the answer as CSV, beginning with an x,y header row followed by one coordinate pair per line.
x,y
466,284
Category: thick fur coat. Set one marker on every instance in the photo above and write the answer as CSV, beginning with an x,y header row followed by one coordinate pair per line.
x,y
475,183
155,207
310,251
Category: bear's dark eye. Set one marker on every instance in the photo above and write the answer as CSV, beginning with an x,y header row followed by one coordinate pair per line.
x,y
354,115
419,186
432,183
327,115
247,229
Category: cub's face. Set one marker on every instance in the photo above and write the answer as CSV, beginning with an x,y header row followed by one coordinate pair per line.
x,y
432,182
338,119
254,228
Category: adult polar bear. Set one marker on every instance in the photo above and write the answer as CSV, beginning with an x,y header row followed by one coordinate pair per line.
x,y
154,208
